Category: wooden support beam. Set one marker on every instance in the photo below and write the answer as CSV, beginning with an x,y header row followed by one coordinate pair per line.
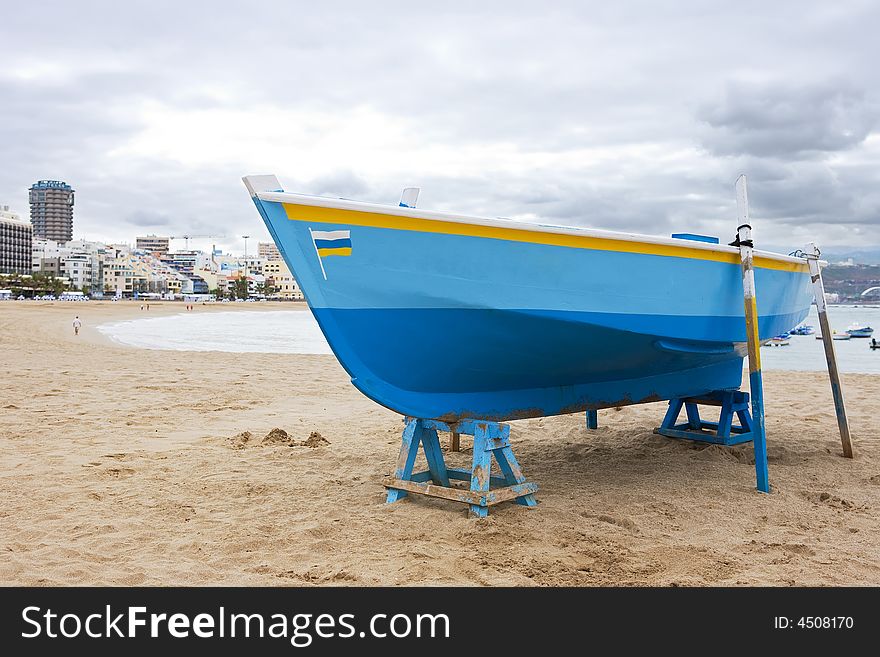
x,y
406,459
459,474
480,499
455,442
492,429
811,252
482,469
434,457
756,383
592,419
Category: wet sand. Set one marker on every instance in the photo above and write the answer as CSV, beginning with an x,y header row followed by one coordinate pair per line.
x,y
124,466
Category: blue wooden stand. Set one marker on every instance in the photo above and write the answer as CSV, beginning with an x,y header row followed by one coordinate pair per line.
x,y
490,439
723,432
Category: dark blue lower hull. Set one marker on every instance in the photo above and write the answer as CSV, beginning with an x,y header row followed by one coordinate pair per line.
x,y
506,364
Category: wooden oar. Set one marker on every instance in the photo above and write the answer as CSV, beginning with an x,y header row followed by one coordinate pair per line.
x,y
811,252
756,384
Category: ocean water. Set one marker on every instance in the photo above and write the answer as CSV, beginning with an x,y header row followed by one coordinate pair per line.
x,y
297,332
806,353
273,331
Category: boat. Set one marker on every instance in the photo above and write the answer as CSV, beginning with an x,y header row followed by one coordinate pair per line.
x,y
860,331
837,336
445,316
779,341
803,329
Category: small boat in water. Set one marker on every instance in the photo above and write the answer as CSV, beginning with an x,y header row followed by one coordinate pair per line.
x,y
779,341
837,336
860,331
803,329
446,316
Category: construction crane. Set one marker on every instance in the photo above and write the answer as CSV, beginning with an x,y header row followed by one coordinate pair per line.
x,y
189,237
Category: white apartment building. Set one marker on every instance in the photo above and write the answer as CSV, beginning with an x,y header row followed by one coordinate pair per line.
x,y
44,249
80,261
94,253
78,268
16,237
255,266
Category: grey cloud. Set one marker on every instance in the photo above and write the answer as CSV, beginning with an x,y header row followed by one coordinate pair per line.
x,y
341,183
817,195
149,219
784,121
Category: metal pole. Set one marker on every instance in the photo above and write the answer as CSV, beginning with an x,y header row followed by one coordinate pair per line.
x,y
756,384
811,252
247,290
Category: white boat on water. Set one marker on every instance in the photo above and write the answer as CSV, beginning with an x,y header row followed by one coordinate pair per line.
x,y
860,331
837,336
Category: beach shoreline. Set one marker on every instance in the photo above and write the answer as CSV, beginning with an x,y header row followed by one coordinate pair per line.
x,y
127,466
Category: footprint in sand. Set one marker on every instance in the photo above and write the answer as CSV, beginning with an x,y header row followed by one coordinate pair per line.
x,y
119,473
625,523
798,549
831,500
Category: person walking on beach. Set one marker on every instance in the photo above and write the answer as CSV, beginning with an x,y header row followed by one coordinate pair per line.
x,y
76,325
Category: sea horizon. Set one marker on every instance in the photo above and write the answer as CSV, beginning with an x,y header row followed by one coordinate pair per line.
x,y
291,331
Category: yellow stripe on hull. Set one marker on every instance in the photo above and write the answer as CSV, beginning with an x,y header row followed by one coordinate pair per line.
x,y
752,328
345,251
323,215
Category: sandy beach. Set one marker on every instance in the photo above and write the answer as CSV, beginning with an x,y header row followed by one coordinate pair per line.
x,y
123,466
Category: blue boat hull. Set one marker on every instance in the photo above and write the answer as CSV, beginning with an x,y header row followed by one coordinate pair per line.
x,y
444,324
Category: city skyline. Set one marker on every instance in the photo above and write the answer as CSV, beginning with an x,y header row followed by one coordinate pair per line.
x,y
865,253
122,271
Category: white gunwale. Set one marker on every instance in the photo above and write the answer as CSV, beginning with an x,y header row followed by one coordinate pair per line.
x,y
418,213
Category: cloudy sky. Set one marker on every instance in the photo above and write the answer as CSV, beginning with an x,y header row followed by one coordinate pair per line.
x,y
629,116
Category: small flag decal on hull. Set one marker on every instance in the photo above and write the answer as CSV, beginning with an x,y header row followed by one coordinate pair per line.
x,y
330,243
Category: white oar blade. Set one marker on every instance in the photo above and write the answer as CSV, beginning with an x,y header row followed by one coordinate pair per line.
x,y
742,200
